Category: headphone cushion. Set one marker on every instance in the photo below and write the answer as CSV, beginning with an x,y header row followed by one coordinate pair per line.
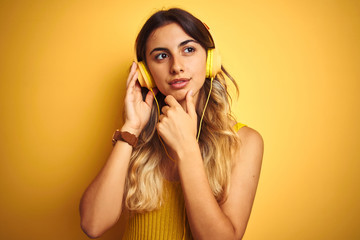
x,y
144,76
213,63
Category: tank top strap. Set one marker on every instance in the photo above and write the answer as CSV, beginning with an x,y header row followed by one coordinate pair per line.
x,y
238,125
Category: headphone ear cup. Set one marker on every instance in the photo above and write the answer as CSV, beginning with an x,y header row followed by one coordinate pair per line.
x,y
213,63
144,76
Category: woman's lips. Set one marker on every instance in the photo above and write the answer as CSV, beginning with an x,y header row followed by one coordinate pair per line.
x,y
179,83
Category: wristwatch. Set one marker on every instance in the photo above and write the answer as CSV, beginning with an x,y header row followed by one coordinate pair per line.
x,y
125,137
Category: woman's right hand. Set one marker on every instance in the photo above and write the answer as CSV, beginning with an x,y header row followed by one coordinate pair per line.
x,y
137,111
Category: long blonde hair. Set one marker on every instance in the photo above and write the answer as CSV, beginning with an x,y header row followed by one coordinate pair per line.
x,y
144,181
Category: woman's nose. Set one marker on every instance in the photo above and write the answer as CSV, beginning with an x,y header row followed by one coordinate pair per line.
x,y
176,65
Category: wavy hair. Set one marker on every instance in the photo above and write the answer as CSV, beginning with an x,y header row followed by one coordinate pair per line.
x,y
144,181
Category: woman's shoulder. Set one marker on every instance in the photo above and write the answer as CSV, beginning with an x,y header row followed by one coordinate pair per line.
x,y
249,134
251,141
246,133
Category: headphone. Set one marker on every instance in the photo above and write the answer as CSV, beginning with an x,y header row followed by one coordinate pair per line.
x,y
213,67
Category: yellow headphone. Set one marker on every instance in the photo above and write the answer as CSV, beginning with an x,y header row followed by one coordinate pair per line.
x,y
144,76
213,67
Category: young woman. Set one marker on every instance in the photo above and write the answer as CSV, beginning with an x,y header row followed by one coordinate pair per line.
x,y
174,185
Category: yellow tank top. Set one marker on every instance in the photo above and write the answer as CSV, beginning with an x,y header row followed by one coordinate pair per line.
x,y
238,126
168,222
165,223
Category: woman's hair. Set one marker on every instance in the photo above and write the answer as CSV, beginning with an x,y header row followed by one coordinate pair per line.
x,y
144,182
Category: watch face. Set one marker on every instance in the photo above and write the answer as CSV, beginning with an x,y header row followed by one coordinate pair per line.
x,y
116,136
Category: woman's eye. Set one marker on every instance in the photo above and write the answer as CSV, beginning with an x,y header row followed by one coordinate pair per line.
x,y
161,56
189,49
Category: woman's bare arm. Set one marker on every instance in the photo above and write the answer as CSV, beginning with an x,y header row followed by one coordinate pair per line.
x,y
207,219
101,204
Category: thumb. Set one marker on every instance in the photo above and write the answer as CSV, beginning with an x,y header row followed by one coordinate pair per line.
x,y
190,106
150,97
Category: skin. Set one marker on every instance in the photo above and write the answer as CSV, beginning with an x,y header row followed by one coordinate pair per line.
x,y
169,58
172,54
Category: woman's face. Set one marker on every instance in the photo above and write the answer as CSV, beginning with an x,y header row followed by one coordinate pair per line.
x,y
176,61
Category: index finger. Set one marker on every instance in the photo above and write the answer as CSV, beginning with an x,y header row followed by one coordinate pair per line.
x,y
171,101
131,73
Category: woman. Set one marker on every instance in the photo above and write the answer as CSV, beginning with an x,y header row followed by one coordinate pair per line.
x,y
175,186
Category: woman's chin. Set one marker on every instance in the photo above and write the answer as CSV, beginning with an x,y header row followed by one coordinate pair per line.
x,y
179,95
180,98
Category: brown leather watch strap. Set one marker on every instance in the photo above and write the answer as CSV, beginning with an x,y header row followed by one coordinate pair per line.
x,y
125,137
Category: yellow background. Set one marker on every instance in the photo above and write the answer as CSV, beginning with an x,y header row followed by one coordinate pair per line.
x,y
63,70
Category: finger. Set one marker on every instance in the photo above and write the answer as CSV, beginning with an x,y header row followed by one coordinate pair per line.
x,y
171,101
131,73
133,65
161,117
165,109
190,106
133,79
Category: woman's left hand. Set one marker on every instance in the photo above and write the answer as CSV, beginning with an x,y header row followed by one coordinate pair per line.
x,y
177,126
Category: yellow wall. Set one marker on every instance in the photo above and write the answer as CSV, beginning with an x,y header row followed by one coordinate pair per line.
x,y
62,70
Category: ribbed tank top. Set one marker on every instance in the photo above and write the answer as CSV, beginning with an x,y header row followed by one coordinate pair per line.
x,y
163,224
166,223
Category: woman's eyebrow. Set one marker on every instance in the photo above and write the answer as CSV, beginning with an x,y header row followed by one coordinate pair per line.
x,y
159,49
186,42
180,45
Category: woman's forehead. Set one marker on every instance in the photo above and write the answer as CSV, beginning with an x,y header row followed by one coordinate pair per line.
x,y
168,35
